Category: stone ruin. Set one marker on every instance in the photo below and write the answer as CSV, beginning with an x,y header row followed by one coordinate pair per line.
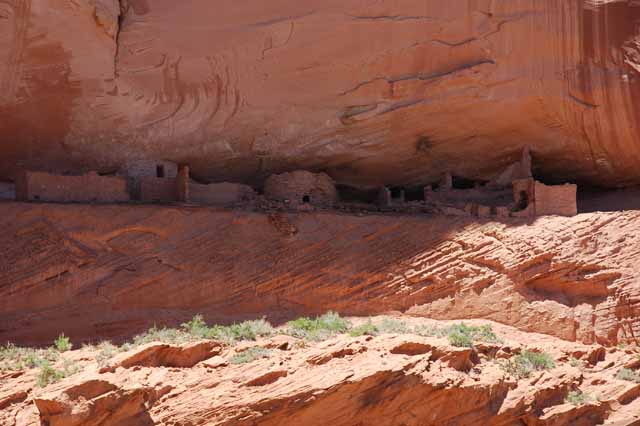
x,y
301,188
151,181
146,181
167,182
513,193
91,187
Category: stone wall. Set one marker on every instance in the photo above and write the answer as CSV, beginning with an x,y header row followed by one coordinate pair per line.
x,y
220,194
523,197
302,187
41,186
556,200
150,168
183,184
157,190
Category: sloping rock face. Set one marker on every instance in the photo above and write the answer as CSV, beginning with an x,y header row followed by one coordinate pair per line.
x,y
97,272
392,91
363,380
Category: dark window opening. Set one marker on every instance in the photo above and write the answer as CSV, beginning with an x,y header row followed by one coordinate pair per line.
x,y
306,199
397,192
160,171
463,183
414,194
523,200
351,194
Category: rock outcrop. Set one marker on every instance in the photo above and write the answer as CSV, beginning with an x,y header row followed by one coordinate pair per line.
x,y
388,379
390,92
97,272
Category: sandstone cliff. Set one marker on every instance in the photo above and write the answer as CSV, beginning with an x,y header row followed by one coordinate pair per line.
x,y
98,272
392,91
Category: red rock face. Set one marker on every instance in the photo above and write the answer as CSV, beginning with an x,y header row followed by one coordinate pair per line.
x,y
96,272
370,92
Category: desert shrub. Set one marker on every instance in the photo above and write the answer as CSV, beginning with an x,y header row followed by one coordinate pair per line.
x,y
628,375
365,329
48,374
463,335
196,327
165,335
17,358
249,355
427,331
525,363
460,340
575,362
69,368
261,327
485,333
107,350
392,326
62,343
247,330
577,398
319,328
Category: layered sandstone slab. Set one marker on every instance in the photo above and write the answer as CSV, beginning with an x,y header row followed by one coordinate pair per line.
x,y
392,91
382,380
97,272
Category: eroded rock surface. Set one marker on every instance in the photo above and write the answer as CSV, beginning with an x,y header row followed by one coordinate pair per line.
x,y
370,92
122,269
388,379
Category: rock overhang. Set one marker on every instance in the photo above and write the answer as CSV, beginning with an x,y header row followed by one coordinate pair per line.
x,y
391,93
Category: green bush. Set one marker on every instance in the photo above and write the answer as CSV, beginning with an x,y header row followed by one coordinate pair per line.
x,y
15,358
48,374
628,375
392,326
525,363
196,327
247,330
368,329
575,362
165,335
249,355
107,350
577,398
428,331
460,339
463,335
62,343
319,328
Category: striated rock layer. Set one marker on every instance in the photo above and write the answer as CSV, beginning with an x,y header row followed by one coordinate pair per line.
x,y
97,272
389,379
391,91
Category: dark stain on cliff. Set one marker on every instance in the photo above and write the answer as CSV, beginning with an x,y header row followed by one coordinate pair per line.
x,y
609,35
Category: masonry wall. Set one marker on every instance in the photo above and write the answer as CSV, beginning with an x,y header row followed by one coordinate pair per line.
x,y
149,168
183,183
220,194
524,193
40,186
295,186
558,200
157,190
